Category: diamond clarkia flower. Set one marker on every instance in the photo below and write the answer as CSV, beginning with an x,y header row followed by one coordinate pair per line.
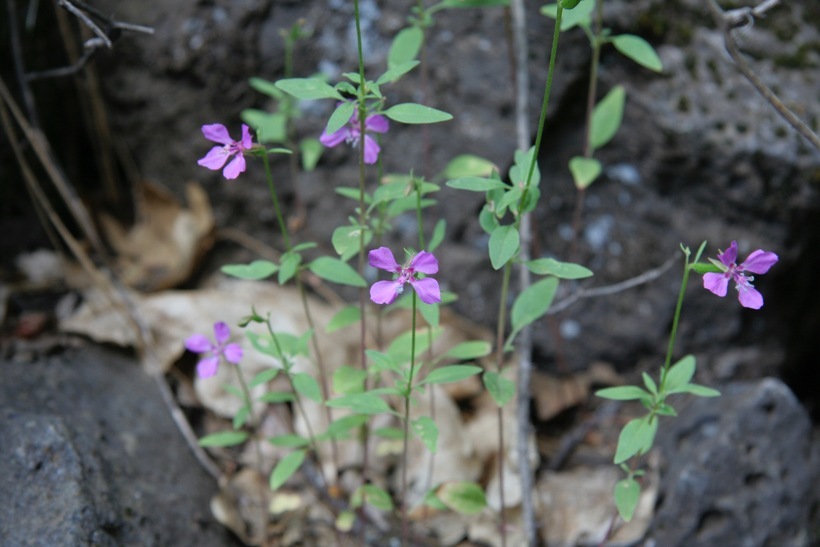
x,y
758,262
349,133
219,155
385,292
199,343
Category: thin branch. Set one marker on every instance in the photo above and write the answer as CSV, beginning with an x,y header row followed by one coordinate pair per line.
x,y
726,22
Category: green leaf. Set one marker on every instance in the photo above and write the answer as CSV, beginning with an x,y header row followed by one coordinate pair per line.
x,y
258,269
308,89
438,235
393,433
288,266
501,389
274,397
224,438
346,240
580,15
285,468
343,318
340,428
533,302
426,430
396,72
639,50
636,438
584,171
702,268
241,417
372,495
649,383
476,184
382,361
472,349
697,389
399,348
361,403
264,377
415,113
347,379
340,116
627,493
450,374
333,269
405,47
266,87
311,152
488,220
504,242
468,165
430,313
474,3
269,127
623,393
289,440
466,498
563,270
345,521
607,117
679,374
306,385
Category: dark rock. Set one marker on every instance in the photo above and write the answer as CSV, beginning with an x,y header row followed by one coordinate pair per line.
x,y
741,470
91,457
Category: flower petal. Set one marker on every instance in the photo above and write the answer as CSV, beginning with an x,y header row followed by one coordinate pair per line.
x,y
198,343
371,150
217,132
333,139
246,142
716,282
383,259
729,256
222,332
759,262
424,262
233,353
235,168
376,123
207,367
385,292
427,289
749,297
215,159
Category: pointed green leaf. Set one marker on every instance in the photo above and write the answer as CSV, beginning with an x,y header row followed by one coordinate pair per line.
x,y
468,165
476,184
382,361
679,374
340,116
533,302
258,269
345,317
308,89
361,403
607,117
372,495
241,417
266,87
289,440
580,15
504,242
501,389
288,266
627,494
224,438
394,73
438,235
405,47
697,389
649,383
347,379
412,113
453,373
306,385
636,438
472,349
264,377
336,271
285,468
639,50
584,171
623,393
341,427
563,270
426,430
269,127
466,498
274,397
311,152
430,313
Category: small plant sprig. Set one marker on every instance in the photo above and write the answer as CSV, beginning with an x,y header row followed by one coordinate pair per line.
x,y
638,435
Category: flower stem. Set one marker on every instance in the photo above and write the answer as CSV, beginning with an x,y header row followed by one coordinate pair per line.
x,y
407,394
499,363
246,394
676,319
282,226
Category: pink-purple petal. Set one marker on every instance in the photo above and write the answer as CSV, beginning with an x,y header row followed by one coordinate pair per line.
x,y
198,343
384,292
424,262
235,167
729,256
427,289
383,259
749,297
334,139
717,283
759,262
371,150
215,158
376,123
222,332
207,367
217,132
233,353
247,142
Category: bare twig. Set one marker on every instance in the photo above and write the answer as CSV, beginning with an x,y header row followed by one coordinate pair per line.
x,y
726,22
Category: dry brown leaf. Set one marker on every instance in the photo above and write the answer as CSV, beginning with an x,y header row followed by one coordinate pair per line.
x,y
553,395
163,247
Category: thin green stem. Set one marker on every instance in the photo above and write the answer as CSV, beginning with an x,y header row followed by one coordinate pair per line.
x,y
499,362
248,401
282,226
407,395
676,320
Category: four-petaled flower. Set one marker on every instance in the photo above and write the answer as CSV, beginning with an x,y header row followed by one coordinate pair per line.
x,y
758,262
199,343
219,155
374,123
385,292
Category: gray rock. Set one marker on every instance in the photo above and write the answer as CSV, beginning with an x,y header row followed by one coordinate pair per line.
x,y
742,470
91,457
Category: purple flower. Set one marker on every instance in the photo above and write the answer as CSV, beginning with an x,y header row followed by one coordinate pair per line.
x,y
199,343
385,292
758,262
219,155
374,123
